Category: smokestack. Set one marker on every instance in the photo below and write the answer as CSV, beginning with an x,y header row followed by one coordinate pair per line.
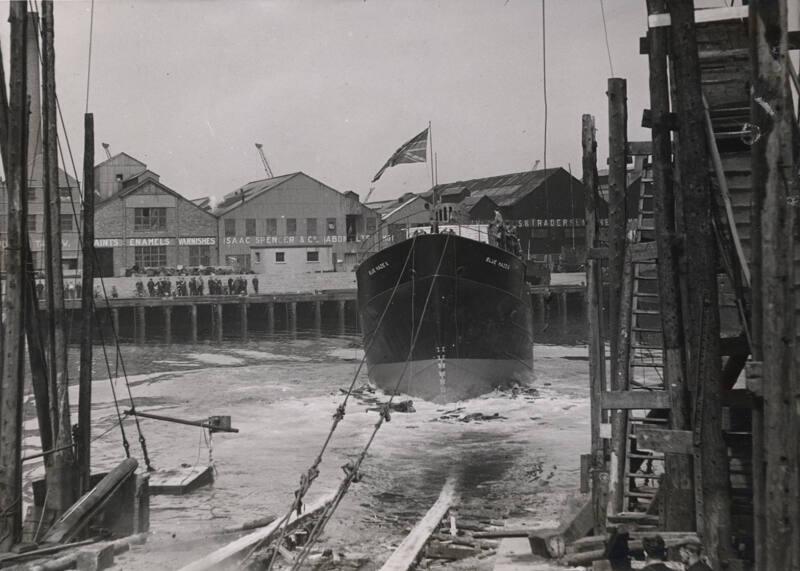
x,y
34,88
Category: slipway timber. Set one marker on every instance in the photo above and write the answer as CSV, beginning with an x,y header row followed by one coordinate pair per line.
x,y
695,419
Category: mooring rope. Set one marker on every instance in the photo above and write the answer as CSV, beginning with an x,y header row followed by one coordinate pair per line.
x,y
351,468
311,474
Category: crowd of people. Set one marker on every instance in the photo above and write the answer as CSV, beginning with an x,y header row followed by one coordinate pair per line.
x,y
163,286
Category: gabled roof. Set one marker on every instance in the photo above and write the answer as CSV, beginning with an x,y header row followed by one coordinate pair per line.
x,y
469,202
118,155
123,192
256,188
504,190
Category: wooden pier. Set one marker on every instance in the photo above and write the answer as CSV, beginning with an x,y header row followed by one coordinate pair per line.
x,y
191,318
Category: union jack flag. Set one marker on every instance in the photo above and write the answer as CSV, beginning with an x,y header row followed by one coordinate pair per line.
x,y
414,151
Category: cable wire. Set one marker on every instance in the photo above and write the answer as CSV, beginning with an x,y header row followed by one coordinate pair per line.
x,y
605,32
351,468
89,63
311,474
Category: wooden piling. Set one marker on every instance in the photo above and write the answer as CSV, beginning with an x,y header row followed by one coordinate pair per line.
x,y
677,482
168,324
193,322
594,312
342,306
87,309
243,308
775,185
617,215
292,307
12,380
141,325
270,318
539,304
61,484
562,309
218,321
702,320
115,320
317,317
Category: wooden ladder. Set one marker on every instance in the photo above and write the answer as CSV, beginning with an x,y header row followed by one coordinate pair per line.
x,y
643,468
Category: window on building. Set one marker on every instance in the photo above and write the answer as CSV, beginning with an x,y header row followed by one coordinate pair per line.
x,y
280,257
250,227
311,226
149,219
31,223
291,226
230,227
199,255
331,224
65,192
372,225
258,257
31,194
272,226
150,256
118,177
351,227
66,223
312,256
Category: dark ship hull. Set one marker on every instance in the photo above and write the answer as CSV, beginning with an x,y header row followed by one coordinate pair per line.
x,y
467,304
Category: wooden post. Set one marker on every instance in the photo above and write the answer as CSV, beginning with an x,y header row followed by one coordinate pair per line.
x,y
141,325
62,487
270,317
597,367
677,481
342,304
244,319
218,323
87,308
562,309
619,418
777,499
12,380
617,215
193,321
702,319
292,305
168,324
317,317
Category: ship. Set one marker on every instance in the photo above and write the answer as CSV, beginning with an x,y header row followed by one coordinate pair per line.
x,y
446,313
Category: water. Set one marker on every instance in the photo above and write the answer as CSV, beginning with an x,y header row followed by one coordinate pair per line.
x,y
281,392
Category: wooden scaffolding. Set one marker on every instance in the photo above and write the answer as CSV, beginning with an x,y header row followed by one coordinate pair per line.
x,y
695,420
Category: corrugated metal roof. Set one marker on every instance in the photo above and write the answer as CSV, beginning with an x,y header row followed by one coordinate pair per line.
x,y
504,190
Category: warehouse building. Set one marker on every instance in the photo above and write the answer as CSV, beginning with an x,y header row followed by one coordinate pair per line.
x,y
292,223
545,206
145,224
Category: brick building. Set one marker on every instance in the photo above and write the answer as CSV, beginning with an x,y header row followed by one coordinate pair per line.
x,y
292,223
147,224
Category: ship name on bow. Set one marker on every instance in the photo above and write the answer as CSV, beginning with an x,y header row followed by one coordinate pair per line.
x,y
494,262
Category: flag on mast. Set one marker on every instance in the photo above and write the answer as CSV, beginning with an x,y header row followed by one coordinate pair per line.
x,y
414,151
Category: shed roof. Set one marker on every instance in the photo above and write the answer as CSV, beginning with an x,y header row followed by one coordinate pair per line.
x,y
503,190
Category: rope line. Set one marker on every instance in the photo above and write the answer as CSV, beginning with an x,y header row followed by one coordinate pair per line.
x,y
605,32
351,468
142,441
89,63
311,474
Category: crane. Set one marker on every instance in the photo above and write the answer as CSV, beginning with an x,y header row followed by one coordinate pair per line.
x,y
105,147
267,170
536,164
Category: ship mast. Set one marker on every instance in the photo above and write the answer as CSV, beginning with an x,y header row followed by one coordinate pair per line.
x,y
13,302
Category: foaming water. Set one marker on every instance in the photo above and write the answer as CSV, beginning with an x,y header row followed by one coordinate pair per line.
x,y
281,393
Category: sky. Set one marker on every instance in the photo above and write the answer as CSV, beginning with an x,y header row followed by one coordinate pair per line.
x,y
333,87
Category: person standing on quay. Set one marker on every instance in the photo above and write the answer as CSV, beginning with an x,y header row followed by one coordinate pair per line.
x,y
655,552
255,285
691,556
